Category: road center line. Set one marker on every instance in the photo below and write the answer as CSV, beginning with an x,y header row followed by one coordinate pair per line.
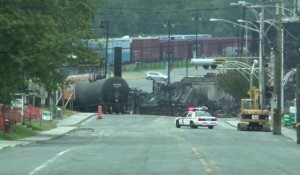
x,y
203,161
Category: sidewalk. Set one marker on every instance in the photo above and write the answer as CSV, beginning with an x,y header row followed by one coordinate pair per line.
x,y
290,133
64,126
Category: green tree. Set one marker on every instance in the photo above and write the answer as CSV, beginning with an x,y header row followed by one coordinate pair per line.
x,y
234,83
138,17
36,39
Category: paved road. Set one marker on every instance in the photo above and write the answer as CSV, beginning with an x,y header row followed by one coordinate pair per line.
x,y
135,144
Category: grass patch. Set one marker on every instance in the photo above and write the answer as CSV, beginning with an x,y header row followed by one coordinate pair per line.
x,y
29,129
17,132
68,113
41,125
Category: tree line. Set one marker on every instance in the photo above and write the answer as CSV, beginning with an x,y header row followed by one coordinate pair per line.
x,y
37,38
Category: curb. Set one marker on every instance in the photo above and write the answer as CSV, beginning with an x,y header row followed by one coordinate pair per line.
x,y
87,118
15,145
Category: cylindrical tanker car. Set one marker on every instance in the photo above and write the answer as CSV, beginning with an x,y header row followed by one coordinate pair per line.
x,y
112,93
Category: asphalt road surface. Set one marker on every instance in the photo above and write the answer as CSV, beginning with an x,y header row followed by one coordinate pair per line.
x,y
151,145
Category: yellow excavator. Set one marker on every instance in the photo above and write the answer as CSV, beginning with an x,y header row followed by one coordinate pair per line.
x,y
252,117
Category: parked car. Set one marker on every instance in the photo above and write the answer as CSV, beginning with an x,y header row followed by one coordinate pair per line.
x,y
197,118
156,76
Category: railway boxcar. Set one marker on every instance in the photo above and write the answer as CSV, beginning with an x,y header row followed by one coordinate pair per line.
x,y
180,49
145,49
217,46
112,93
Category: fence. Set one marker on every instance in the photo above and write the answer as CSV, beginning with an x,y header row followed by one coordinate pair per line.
x,y
32,113
12,114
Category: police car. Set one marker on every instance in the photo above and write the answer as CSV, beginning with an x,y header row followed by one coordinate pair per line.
x,y
196,118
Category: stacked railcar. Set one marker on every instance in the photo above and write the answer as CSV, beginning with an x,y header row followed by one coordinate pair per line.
x,y
149,49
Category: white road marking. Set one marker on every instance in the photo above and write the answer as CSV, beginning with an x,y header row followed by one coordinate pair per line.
x,y
44,165
100,136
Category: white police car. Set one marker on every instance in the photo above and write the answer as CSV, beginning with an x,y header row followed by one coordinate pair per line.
x,y
196,118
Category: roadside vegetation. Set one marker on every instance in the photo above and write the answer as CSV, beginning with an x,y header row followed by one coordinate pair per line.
x,y
17,132
32,127
27,129
38,38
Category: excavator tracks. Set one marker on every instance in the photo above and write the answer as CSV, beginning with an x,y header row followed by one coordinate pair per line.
x,y
253,127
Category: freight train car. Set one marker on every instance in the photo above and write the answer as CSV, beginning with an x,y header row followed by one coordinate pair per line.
x,y
218,46
156,49
151,49
179,49
145,49
112,93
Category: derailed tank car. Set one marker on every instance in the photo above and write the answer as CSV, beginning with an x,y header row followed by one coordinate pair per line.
x,y
112,93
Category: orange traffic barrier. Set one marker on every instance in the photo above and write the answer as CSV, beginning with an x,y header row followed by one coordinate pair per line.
x,y
100,113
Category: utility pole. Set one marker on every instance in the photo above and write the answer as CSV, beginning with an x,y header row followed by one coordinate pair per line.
x,y
261,58
241,53
169,25
278,63
196,19
296,7
298,104
106,49
169,50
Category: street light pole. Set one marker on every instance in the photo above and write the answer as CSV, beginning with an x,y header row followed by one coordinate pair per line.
x,y
106,48
169,25
196,19
169,66
105,24
252,73
261,59
169,50
169,62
